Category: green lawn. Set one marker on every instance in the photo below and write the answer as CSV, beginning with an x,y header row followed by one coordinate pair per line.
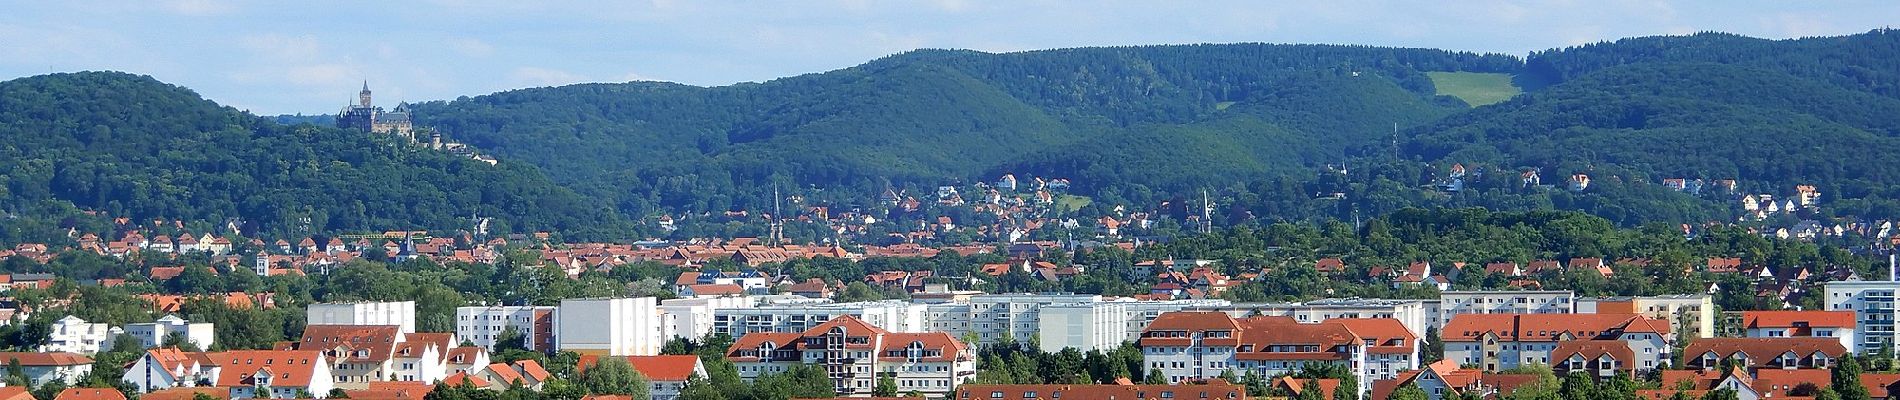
x,y
1477,88
1071,202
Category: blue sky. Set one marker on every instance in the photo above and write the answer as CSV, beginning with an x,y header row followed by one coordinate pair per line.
x,y
310,57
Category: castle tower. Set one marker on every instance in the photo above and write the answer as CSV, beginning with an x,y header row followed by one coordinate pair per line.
x,y
363,96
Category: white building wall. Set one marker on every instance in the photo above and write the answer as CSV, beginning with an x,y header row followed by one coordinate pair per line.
x,y
153,334
1454,303
891,315
1083,326
1872,304
74,335
611,327
484,325
402,314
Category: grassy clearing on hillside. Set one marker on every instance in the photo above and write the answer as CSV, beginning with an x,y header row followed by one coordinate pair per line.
x,y
1069,203
1476,88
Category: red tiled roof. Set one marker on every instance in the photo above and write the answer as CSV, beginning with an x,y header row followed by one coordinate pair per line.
x,y
1388,335
458,378
1214,390
532,369
378,340
1547,327
90,394
668,368
183,393
1789,319
37,359
289,368
505,374
1762,351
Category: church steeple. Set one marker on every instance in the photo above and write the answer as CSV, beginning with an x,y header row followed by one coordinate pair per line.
x,y
363,96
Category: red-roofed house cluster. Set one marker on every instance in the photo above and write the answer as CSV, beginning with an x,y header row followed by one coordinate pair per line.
x,y
855,354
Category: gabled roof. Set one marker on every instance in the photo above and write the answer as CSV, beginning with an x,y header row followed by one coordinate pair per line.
x,y
532,369
38,359
289,368
1387,335
90,394
666,368
505,374
1547,327
461,377
1791,319
1763,350
379,341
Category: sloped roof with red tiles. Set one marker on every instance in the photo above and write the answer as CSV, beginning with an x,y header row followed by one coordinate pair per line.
x,y
288,368
532,369
505,374
378,341
1547,327
462,377
1879,384
1593,350
1214,390
182,393
851,324
90,394
415,344
1295,385
170,358
719,289
948,347
1780,381
665,368
1763,350
463,354
38,359
1791,319
1388,335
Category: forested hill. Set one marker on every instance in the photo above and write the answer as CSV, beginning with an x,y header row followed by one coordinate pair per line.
x,y
1115,120
131,146
1770,113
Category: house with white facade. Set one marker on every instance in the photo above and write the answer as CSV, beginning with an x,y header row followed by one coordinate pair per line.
x,y
47,366
199,334
484,325
855,354
1460,302
275,374
1192,345
1496,342
401,314
74,335
1872,303
167,367
1837,325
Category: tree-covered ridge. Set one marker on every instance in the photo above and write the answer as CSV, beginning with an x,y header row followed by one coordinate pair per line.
x,y
931,117
131,146
1869,61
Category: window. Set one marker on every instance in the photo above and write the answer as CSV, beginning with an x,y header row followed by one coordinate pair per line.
x,y
996,394
1030,394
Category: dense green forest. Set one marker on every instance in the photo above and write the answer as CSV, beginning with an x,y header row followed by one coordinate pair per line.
x,y
1125,119
1275,132
130,146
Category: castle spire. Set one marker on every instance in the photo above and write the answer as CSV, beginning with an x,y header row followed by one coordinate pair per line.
x,y
363,97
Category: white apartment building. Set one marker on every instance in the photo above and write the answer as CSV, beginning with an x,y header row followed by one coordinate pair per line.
x,y
693,318
1413,314
153,334
402,314
483,325
1083,326
74,335
991,317
1459,302
1686,313
1872,304
1838,325
855,354
891,315
1141,313
609,326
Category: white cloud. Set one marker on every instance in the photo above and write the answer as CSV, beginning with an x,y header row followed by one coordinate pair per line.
x,y
283,47
471,47
200,8
538,76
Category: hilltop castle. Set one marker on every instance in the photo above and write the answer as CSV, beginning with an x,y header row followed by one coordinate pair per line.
x,y
368,118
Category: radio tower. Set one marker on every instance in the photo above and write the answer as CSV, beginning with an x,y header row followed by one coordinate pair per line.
x,y
778,221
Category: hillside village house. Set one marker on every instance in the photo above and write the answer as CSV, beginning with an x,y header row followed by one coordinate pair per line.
x,y
1497,342
855,354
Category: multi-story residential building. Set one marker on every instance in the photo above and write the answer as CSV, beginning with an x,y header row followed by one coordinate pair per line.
x,y
1083,326
401,314
1224,391
1144,312
991,317
1390,347
1760,353
47,366
199,334
483,326
1413,314
693,318
1873,307
275,374
1190,345
359,354
609,326
74,335
891,315
1504,341
856,354
1686,313
168,367
1837,325
1601,358
1460,302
